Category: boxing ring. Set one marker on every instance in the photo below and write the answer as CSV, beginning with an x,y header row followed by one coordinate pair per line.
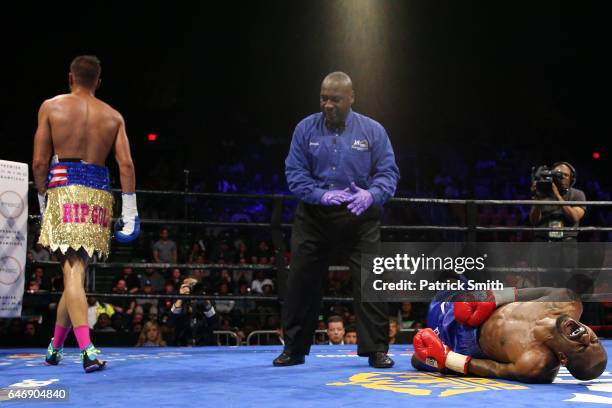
x,y
244,376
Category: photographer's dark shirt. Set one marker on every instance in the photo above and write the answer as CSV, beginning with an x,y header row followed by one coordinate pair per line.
x,y
552,216
192,327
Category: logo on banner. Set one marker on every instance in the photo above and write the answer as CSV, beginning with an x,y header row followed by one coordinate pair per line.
x,y
11,204
10,270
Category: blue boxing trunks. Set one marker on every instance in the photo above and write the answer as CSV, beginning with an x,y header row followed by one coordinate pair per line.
x,y
441,319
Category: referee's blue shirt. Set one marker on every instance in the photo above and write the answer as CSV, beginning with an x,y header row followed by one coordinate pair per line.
x,y
321,159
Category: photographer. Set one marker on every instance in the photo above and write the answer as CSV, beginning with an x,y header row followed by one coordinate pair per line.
x,y
556,184
193,320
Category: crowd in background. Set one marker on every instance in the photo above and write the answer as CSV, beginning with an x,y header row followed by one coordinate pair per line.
x,y
506,175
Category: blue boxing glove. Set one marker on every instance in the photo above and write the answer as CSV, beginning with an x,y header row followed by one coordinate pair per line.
x,y
361,199
127,228
335,197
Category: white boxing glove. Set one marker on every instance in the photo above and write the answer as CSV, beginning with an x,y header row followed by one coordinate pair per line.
x,y
127,228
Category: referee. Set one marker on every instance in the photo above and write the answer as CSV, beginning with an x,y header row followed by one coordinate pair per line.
x,y
342,168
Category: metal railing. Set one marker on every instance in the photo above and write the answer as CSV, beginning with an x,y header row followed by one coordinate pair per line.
x,y
226,335
273,337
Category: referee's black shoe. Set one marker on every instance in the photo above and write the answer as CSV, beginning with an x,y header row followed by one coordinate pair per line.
x,y
286,359
380,360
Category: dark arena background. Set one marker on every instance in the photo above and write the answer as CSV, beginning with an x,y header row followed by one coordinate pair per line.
x,y
473,95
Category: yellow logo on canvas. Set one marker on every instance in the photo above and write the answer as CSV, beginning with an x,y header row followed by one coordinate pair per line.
x,y
424,384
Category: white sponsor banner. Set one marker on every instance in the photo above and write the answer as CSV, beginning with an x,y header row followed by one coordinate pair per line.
x,y
13,235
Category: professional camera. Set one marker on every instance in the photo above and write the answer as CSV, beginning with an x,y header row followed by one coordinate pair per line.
x,y
544,177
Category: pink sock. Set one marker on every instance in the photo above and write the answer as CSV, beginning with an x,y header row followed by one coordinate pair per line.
x,y
59,337
82,336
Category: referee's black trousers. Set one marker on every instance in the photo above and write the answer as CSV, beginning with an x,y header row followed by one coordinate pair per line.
x,y
317,231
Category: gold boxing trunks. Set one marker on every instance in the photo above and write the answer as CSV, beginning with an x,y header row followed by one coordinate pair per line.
x,y
79,208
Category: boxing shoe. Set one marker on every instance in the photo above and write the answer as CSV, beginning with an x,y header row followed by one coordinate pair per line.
x,y
380,360
90,359
54,356
286,359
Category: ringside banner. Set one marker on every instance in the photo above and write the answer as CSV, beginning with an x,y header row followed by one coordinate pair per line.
x,y
13,235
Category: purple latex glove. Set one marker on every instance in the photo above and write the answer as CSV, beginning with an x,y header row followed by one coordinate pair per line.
x,y
335,197
360,200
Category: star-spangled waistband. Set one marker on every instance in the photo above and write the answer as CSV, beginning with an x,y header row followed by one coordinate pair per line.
x,y
68,173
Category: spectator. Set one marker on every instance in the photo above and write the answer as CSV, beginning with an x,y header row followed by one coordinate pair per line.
x,y
132,283
224,306
198,274
242,251
226,277
350,335
156,279
150,336
267,286
30,329
137,320
176,277
244,306
124,305
393,329
165,303
257,284
118,323
29,257
147,306
95,309
197,253
200,259
104,324
263,250
30,335
405,317
40,253
164,250
242,275
225,324
335,330
41,278
224,253
33,286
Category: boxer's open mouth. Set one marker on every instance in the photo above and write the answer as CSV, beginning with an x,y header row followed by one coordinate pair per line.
x,y
572,329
